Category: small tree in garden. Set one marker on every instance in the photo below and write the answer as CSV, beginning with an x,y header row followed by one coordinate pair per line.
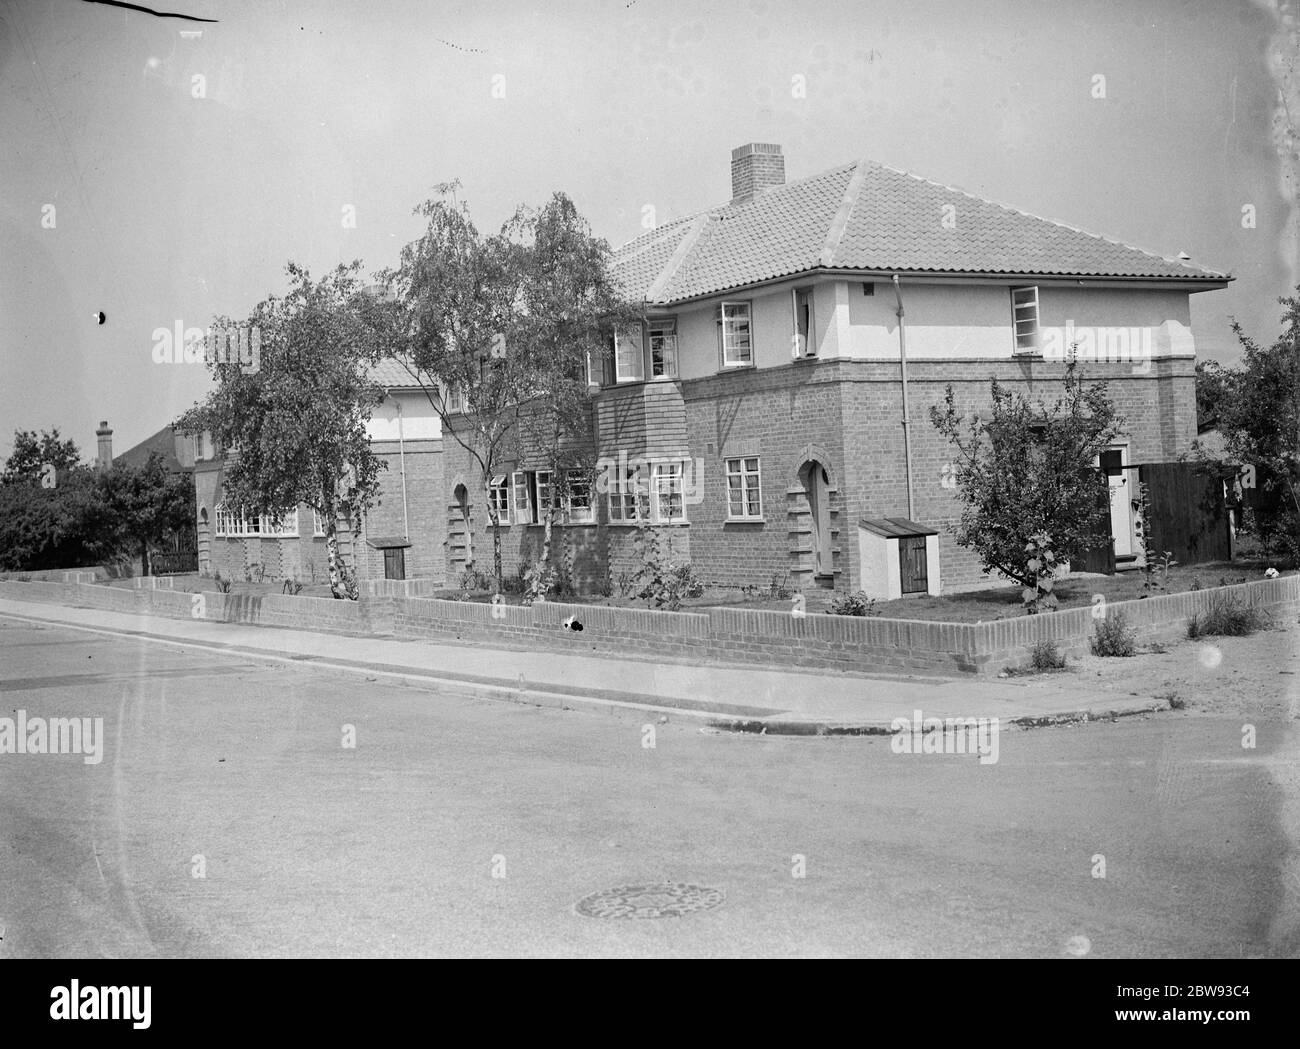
x,y
454,293
565,319
1030,480
1259,417
499,331
147,504
298,423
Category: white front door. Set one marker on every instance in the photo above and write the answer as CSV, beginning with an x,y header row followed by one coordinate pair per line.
x,y
1122,493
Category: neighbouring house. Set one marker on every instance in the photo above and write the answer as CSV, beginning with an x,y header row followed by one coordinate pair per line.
x,y
754,419
402,536
176,552
761,400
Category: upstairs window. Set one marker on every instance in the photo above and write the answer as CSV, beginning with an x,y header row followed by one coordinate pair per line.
x,y
804,334
629,354
663,349
737,347
1024,312
317,523
453,401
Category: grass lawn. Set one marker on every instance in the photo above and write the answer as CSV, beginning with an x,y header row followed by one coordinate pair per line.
x,y
976,606
1003,602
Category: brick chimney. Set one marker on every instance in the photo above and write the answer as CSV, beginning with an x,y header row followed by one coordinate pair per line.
x,y
104,460
755,168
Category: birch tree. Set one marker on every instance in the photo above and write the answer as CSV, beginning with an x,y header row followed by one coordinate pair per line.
x,y
297,423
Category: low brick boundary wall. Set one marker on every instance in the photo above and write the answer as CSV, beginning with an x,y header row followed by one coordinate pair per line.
x,y
760,638
1009,642
401,587
311,613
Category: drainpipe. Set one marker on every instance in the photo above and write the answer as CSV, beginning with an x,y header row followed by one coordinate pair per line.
x,y
907,421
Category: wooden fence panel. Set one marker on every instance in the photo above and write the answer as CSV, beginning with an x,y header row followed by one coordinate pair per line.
x,y
1188,516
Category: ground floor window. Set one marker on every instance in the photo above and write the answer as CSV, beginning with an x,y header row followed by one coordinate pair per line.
x,y
744,492
652,493
536,491
666,483
499,498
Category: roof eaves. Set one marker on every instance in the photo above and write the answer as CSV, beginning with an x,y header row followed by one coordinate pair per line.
x,y
884,273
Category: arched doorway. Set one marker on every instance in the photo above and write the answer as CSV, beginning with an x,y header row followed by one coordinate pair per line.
x,y
204,542
460,534
812,520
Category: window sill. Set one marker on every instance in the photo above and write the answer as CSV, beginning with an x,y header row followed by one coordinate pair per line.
x,y
562,524
744,520
736,367
647,524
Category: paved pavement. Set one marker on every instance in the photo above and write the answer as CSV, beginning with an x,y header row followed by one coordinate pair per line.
x,y
737,697
229,817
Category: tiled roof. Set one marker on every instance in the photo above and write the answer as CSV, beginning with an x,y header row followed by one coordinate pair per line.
x,y
870,217
393,374
164,443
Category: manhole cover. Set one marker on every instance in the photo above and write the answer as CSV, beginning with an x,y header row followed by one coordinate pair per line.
x,y
650,901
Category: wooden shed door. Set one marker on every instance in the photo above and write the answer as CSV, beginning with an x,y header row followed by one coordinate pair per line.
x,y
911,564
395,563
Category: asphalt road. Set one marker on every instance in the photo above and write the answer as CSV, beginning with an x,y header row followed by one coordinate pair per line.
x,y
459,826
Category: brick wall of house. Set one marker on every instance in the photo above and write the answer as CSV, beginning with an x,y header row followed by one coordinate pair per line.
x,y
843,414
783,415
850,413
305,556
425,523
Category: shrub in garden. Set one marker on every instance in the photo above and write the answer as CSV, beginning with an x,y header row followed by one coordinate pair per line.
x,y
854,605
1112,636
1226,617
1046,656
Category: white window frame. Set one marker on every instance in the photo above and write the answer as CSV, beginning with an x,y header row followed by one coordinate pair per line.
x,y
317,523
523,505
662,475
499,497
453,400
625,495
574,512
288,526
544,492
662,330
633,338
750,483
1025,319
808,346
728,326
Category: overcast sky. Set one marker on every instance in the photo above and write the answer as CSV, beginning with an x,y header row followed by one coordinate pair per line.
x,y
169,206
